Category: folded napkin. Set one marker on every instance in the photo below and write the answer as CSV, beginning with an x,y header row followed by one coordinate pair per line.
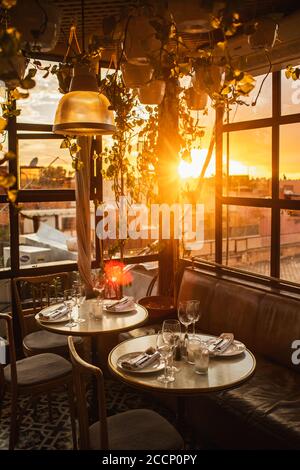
x,y
126,303
140,361
55,314
221,344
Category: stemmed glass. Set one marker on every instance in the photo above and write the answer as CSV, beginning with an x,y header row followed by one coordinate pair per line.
x,y
172,331
166,350
185,316
70,302
79,295
194,309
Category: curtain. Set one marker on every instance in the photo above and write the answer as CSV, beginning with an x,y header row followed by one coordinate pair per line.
x,y
83,216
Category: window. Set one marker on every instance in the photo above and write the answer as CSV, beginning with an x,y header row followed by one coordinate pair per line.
x,y
258,206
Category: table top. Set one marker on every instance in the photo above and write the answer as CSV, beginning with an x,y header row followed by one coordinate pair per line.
x,y
223,372
113,322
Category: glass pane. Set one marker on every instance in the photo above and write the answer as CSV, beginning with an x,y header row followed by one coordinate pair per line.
x,y
289,168
48,233
204,247
263,107
290,95
290,245
4,166
40,106
44,165
5,302
248,164
4,237
247,238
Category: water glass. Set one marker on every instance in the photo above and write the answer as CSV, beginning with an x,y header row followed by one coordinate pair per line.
x,y
201,358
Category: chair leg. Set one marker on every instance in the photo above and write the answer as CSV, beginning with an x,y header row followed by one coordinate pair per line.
x,y
49,399
72,413
13,434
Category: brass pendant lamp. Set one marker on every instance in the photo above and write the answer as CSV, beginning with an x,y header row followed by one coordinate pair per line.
x,y
83,110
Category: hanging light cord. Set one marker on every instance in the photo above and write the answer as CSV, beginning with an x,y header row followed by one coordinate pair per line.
x,y
82,27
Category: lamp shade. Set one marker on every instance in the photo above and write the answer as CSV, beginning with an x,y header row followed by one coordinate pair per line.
x,y
83,111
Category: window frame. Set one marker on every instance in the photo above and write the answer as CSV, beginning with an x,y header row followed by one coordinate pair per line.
x,y
275,203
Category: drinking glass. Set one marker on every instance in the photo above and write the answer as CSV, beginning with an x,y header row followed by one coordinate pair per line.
x,y
172,332
194,309
70,303
166,351
186,318
79,295
201,358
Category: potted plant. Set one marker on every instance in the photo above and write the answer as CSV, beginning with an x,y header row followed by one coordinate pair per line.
x,y
135,76
140,38
194,100
38,22
152,93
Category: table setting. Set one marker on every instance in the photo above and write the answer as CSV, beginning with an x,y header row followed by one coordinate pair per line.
x,y
175,349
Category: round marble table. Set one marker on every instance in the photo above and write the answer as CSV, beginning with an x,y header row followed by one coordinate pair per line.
x,y
109,323
222,373
106,327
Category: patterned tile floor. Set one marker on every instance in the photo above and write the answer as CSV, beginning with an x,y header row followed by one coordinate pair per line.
x,y
37,432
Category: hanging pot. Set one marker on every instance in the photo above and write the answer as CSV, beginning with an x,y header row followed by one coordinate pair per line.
x,y
39,22
265,34
153,92
140,41
12,70
136,76
191,16
207,78
195,101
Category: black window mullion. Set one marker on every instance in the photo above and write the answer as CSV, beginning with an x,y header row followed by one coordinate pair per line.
x,y
275,220
219,189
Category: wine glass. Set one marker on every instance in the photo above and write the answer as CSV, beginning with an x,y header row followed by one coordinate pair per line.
x,y
194,309
186,318
79,295
166,350
172,331
70,302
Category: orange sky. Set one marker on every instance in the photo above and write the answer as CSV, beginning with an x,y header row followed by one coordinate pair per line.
x,y
250,151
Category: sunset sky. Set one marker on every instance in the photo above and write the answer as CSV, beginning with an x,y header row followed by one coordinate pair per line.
x,y
250,151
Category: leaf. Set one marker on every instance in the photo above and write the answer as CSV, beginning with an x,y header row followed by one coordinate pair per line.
x,y
3,124
65,144
222,45
12,195
9,155
215,22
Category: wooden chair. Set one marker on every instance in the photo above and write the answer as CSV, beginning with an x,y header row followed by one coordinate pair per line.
x,y
40,292
138,429
34,376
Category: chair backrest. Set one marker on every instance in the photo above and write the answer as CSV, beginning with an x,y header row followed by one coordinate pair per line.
x,y
11,348
82,370
34,293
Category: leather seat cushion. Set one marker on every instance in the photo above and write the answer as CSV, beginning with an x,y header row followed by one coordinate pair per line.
x,y
138,430
277,327
45,341
264,412
38,369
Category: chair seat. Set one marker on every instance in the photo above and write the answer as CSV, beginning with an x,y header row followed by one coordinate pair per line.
x,y
39,369
41,341
137,430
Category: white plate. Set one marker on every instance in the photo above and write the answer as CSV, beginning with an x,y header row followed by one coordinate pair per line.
x,y
117,311
234,349
158,365
50,309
